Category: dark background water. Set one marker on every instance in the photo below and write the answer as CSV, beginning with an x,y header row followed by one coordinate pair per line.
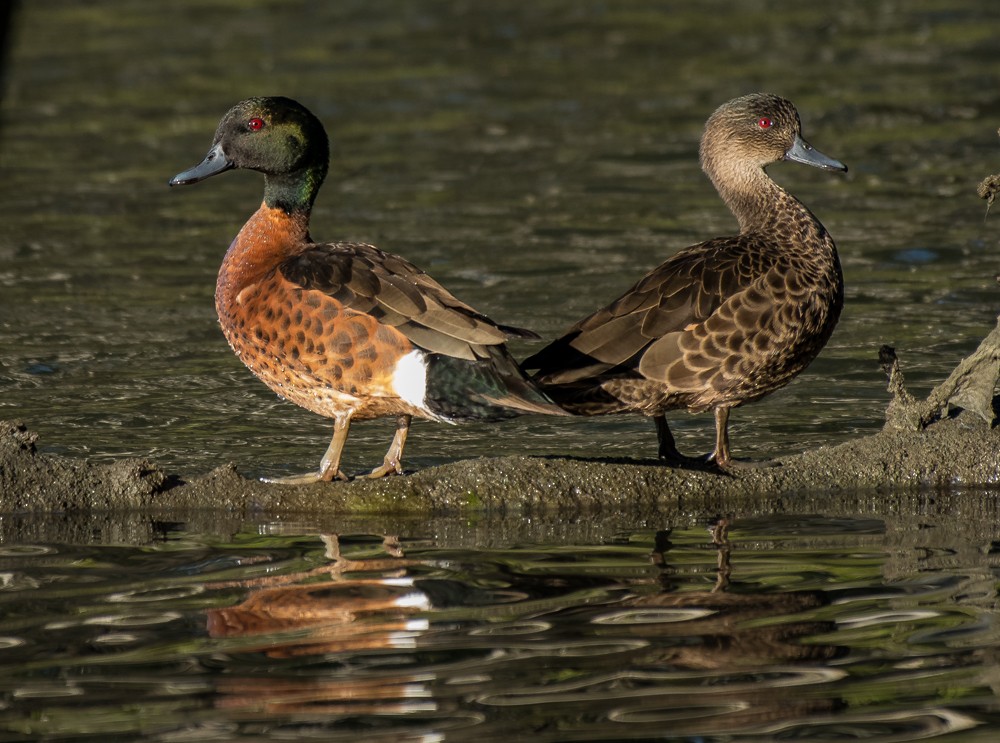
x,y
536,158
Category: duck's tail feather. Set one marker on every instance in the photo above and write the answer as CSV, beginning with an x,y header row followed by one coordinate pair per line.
x,y
493,388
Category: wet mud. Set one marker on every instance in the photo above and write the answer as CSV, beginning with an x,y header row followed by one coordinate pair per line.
x,y
947,441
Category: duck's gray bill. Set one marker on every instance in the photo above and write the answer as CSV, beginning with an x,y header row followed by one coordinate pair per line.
x,y
215,162
803,152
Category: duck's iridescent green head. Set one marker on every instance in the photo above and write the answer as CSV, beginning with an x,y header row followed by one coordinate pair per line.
x,y
278,137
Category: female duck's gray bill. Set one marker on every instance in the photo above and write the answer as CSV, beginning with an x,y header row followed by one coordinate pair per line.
x,y
215,162
803,152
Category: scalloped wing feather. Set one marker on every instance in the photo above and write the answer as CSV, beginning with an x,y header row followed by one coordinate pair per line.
x,y
397,293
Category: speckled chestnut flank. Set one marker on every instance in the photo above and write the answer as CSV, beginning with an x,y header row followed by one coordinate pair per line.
x,y
720,323
344,329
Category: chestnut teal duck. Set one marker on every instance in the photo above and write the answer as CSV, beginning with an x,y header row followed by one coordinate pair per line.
x,y
724,322
344,329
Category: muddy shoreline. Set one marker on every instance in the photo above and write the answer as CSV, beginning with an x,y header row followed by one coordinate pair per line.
x,y
955,452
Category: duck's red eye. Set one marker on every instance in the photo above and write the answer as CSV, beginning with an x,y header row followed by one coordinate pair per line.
x,y
765,123
255,124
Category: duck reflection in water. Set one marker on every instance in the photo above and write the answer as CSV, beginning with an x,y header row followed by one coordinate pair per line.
x,y
341,615
727,659
725,640
731,656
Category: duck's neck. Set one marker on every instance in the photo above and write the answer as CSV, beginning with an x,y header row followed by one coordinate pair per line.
x,y
278,230
280,227
270,236
275,232
757,202
295,192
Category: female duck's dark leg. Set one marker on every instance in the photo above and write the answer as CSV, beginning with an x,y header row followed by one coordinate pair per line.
x,y
668,449
392,463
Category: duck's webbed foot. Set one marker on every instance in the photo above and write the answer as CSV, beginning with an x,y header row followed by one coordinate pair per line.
x,y
308,478
329,466
392,463
739,465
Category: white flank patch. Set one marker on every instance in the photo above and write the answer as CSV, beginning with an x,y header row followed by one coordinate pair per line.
x,y
405,582
409,380
413,601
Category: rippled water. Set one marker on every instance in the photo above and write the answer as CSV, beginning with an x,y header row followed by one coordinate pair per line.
x,y
696,629
535,158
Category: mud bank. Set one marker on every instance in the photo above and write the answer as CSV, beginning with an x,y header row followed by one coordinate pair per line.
x,y
947,441
954,452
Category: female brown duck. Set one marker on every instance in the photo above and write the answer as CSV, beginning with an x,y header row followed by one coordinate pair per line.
x,y
343,329
724,322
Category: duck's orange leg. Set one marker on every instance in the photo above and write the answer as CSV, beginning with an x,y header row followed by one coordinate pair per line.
x,y
721,456
329,466
392,463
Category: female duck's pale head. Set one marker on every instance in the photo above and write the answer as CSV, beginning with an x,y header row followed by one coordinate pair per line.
x,y
754,131
276,136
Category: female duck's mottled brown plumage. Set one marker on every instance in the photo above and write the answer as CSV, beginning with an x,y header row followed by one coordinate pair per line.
x,y
344,329
724,322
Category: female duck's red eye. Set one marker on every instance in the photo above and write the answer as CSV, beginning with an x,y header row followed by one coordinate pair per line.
x,y
255,124
765,123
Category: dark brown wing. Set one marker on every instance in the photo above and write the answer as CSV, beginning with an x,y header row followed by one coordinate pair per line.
x,y
397,293
641,330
